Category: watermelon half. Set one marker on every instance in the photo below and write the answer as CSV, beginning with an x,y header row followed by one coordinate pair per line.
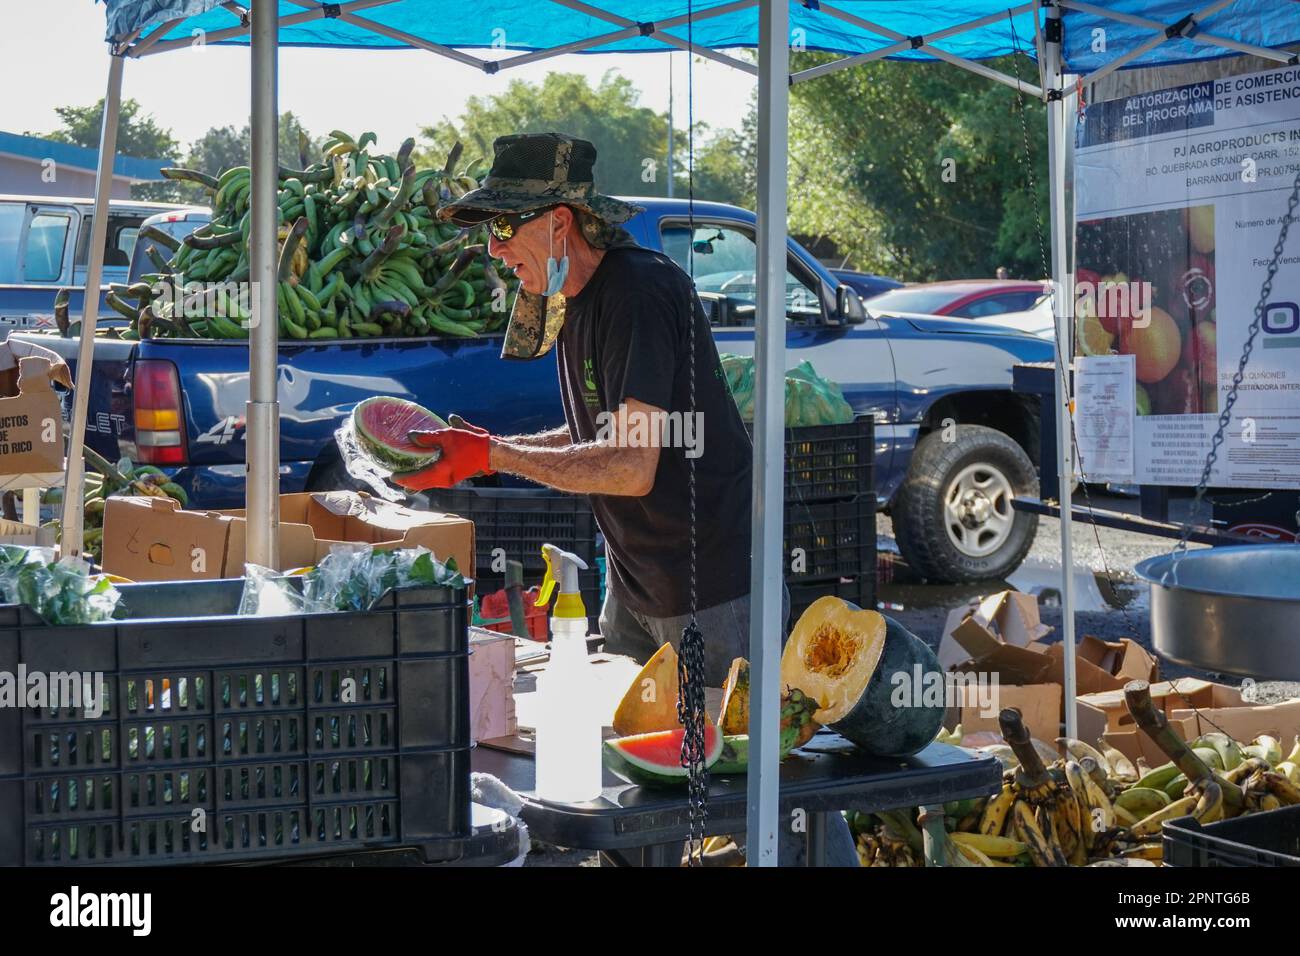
x,y
655,759
382,425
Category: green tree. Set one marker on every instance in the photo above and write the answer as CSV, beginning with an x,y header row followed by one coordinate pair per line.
x,y
631,140
224,146
917,170
137,135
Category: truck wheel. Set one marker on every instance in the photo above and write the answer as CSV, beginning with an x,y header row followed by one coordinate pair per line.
x,y
952,516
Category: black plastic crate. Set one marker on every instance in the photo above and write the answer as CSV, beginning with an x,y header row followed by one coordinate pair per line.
x,y
860,590
519,521
234,738
1260,839
829,462
837,540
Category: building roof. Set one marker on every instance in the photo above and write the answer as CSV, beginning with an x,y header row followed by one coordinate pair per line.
x,y
37,148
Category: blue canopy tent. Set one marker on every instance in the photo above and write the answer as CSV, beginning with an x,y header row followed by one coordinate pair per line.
x,y
1073,42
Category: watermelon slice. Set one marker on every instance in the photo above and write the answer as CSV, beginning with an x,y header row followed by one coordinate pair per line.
x,y
382,425
655,759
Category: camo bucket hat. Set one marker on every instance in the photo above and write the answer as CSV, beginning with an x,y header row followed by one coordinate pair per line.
x,y
533,171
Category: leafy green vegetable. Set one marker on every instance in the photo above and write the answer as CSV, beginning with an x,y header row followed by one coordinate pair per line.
x,y
353,579
61,592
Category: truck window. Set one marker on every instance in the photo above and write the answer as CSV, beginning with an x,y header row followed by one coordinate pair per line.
x,y
11,228
47,237
118,243
725,259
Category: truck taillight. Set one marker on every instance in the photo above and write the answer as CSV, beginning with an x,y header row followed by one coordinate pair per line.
x,y
159,417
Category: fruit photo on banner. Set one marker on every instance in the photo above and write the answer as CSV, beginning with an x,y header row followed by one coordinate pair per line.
x,y
1162,262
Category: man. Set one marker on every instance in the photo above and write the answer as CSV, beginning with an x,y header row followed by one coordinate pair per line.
x,y
621,318
644,399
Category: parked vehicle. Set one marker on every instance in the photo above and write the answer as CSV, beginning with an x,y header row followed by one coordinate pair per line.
x,y
963,298
866,284
45,246
954,443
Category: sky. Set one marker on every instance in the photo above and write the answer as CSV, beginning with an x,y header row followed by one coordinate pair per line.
x,y
52,54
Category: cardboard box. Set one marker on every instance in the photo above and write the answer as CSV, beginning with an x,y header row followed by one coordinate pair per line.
x,y
1039,706
1008,618
1001,635
1192,707
31,422
491,685
15,532
154,539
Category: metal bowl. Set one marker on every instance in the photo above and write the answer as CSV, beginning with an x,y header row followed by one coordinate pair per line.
x,y
1234,610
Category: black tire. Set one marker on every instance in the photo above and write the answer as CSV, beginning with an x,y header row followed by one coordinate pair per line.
x,y
921,519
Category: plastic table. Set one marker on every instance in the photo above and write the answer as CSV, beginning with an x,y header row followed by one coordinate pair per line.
x,y
644,826
494,841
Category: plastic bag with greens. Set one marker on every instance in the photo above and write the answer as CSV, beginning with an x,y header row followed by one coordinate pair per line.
x,y
354,577
61,592
809,398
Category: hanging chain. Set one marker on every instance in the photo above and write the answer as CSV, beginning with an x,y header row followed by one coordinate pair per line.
x,y
690,660
1225,416
1062,365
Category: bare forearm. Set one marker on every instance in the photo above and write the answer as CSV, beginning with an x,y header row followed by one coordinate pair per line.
x,y
555,438
591,469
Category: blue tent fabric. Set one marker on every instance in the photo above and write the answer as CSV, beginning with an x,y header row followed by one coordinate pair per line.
x,y
537,24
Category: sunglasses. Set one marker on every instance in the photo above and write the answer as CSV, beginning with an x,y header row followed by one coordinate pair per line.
x,y
503,227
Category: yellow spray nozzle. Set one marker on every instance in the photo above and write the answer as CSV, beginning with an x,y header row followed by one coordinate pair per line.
x,y
548,580
569,603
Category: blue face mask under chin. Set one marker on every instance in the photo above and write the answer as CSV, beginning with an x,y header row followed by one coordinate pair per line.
x,y
557,274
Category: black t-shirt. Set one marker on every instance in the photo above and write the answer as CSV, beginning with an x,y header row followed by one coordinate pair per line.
x,y
626,336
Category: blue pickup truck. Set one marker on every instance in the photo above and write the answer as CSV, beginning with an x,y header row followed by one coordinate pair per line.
x,y
953,443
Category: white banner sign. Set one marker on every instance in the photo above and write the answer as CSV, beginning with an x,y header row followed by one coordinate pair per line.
x,y
1179,199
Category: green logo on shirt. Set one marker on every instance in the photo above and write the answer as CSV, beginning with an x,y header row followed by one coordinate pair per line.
x,y
588,376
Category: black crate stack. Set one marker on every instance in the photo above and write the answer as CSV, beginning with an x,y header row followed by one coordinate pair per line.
x,y
225,738
512,524
830,514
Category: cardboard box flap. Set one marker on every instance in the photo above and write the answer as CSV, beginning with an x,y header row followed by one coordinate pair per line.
x,y
55,370
1008,618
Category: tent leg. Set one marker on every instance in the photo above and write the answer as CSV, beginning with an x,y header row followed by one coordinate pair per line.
x,y
262,413
70,537
1064,299
765,591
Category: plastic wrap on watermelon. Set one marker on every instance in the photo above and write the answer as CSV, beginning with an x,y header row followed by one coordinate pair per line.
x,y
374,444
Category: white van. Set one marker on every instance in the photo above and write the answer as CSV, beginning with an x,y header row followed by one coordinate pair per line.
x,y
45,246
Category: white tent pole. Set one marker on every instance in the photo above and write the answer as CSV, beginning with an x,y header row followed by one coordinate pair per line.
x,y
1063,303
262,413
765,582
70,537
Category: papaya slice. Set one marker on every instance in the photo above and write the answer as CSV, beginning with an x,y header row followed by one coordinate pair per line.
x,y
650,703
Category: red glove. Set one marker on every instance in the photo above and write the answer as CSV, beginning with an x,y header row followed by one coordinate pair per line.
x,y
464,454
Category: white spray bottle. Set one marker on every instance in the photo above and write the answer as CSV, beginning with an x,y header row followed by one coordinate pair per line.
x,y
568,729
